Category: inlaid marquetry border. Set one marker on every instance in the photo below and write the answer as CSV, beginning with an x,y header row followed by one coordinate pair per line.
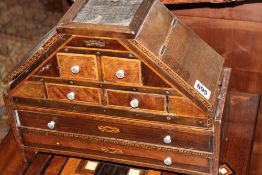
x,y
146,146
46,46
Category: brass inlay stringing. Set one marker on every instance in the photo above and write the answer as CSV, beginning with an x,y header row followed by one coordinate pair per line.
x,y
39,53
109,129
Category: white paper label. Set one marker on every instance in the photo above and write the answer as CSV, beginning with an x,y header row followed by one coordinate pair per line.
x,y
202,89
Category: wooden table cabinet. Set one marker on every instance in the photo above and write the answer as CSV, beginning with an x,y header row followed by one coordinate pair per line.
x,y
129,84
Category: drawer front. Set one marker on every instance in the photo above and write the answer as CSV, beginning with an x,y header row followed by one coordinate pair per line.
x,y
30,89
182,106
87,125
96,43
77,66
73,93
136,100
121,70
110,149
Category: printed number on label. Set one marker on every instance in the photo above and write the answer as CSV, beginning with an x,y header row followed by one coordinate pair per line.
x,y
202,89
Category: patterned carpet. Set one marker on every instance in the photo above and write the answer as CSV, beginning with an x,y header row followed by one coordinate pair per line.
x,y
22,23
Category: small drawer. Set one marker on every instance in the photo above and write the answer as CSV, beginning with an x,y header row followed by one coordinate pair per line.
x,y
182,106
77,66
93,125
29,89
73,93
135,100
96,43
114,150
121,70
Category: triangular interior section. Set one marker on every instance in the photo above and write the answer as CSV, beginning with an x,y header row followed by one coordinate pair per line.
x,y
150,78
50,69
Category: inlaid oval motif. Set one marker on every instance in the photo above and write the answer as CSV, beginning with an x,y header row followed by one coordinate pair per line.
x,y
111,150
109,129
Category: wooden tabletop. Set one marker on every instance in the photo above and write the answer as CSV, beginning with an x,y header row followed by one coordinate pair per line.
x,y
237,138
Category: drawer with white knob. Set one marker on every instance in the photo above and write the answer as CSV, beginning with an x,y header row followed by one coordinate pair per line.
x,y
136,101
121,70
130,152
75,94
104,126
77,66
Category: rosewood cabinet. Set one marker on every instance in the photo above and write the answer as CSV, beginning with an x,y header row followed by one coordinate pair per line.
x,y
129,84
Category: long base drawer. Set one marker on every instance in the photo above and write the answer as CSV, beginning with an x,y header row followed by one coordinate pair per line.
x,y
117,150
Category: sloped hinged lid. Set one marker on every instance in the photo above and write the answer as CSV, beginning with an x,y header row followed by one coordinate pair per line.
x,y
181,56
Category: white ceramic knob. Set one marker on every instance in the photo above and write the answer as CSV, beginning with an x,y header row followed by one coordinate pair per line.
x,y
120,74
167,139
51,125
71,96
134,103
168,161
75,69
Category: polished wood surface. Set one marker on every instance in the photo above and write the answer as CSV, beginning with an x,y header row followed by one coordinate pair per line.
x,y
11,160
179,45
87,64
145,101
51,141
237,135
240,72
151,78
184,107
237,143
135,131
70,166
51,69
234,31
30,89
55,164
131,68
39,163
94,84
82,94
144,115
97,43
157,34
